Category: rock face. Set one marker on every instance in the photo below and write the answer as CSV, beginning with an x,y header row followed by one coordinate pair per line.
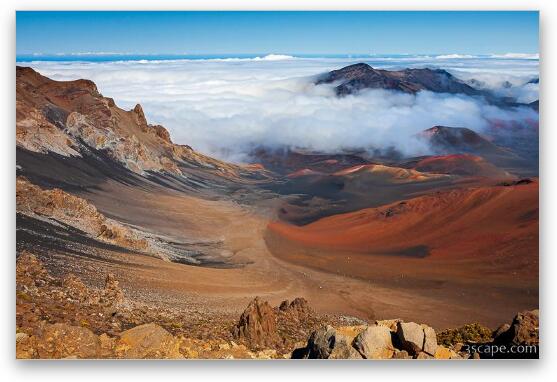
x,y
524,330
147,341
375,343
356,77
72,119
257,325
74,211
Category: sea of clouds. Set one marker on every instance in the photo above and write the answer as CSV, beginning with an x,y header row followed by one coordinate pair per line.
x,y
226,107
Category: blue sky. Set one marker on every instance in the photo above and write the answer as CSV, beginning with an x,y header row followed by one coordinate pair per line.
x,y
277,32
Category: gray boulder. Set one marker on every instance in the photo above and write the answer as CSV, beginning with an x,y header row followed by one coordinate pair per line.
x,y
430,340
375,343
416,338
326,343
410,337
343,350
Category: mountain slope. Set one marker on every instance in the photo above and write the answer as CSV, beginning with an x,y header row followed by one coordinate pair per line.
x,y
71,124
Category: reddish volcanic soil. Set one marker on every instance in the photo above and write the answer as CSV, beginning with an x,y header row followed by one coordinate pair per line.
x,y
476,247
460,164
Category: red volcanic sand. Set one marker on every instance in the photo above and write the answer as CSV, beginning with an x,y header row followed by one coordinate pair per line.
x,y
461,164
303,172
474,251
473,223
393,173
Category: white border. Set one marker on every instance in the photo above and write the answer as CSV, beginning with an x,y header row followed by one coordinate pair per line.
x,y
231,371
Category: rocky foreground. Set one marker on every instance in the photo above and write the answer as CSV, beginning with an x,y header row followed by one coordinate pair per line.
x,y
63,318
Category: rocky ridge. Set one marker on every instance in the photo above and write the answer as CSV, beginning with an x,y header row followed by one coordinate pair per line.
x,y
356,77
72,119
59,207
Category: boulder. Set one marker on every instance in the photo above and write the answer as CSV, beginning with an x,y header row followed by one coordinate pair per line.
x,y
524,330
416,338
391,324
401,354
445,353
147,341
375,343
321,343
326,343
257,325
424,355
350,332
410,337
430,340
343,350
62,341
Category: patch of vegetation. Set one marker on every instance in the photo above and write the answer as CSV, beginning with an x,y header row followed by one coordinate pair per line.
x,y
468,333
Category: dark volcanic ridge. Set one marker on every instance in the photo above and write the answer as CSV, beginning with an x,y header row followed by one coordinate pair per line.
x,y
354,78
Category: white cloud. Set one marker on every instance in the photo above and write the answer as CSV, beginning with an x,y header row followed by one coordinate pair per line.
x,y
225,107
454,56
528,56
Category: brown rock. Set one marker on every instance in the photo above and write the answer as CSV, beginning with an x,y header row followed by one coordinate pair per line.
x,y
524,330
257,325
139,115
423,355
350,332
161,132
147,341
401,354
62,340
444,353
298,308
30,271
75,288
112,294
391,324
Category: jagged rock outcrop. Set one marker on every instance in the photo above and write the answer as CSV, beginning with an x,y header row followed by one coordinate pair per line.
x,y
62,207
72,119
298,308
257,325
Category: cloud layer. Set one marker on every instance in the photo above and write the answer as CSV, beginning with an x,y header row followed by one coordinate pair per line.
x,y
226,107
